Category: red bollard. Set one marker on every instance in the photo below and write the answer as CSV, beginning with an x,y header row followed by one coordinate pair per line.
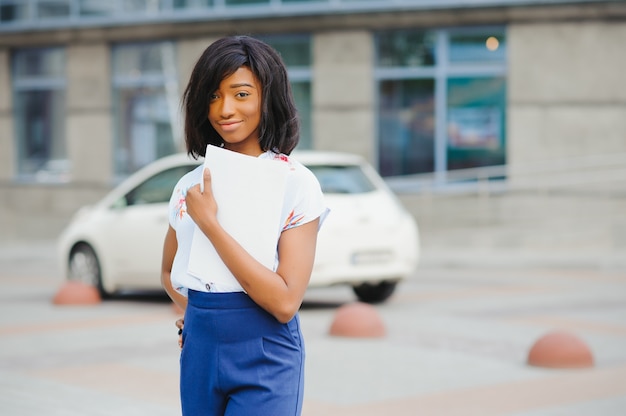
x,y
560,349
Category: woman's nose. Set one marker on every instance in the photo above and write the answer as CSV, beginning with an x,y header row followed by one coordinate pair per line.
x,y
226,108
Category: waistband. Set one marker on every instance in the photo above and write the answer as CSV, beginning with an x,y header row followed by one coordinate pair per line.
x,y
226,300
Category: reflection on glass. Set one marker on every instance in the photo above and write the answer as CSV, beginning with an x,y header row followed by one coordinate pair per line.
x,y
141,5
191,4
302,97
11,11
52,9
476,122
97,7
144,129
406,49
140,60
39,80
487,47
41,132
46,63
146,103
407,127
240,2
295,50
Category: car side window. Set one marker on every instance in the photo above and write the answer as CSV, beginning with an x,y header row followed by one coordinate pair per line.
x,y
342,179
158,188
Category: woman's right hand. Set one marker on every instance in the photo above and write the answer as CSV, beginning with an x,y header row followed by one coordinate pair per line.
x,y
201,205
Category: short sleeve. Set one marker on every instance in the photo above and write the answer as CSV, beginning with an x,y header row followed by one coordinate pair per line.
x,y
177,205
304,201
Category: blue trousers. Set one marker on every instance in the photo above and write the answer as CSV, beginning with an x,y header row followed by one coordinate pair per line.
x,y
238,360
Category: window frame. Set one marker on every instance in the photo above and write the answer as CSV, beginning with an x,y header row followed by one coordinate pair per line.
x,y
441,71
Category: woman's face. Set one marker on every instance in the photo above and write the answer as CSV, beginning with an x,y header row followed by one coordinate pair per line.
x,y
235,111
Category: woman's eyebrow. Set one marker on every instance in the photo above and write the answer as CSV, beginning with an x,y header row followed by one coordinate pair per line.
x,y
241,84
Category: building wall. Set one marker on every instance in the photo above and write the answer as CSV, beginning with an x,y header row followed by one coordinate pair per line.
x,y
89,115
566,97
566,93
343,92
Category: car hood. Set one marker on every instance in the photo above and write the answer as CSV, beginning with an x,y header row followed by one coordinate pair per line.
x,y
375,208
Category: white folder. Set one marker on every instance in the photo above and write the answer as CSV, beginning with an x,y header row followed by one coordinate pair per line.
x,y
249,192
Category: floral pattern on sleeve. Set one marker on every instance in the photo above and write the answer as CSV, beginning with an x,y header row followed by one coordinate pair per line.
x,y
292,220
180,205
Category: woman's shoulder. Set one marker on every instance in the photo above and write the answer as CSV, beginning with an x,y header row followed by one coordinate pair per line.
x,y
192,175
297,171
188,179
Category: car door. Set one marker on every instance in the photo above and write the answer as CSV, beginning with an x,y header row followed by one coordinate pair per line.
x,y
141,226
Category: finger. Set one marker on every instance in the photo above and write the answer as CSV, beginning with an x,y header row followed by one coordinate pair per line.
x,y
206,179
180,323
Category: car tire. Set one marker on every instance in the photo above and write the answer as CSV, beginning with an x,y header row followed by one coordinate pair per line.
x,y
375,292
84,267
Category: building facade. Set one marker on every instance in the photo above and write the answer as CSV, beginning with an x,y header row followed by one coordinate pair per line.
x,y
90,91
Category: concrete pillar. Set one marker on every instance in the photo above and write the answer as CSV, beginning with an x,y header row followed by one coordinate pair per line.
x,y
7,139
89,114
343,92
567,96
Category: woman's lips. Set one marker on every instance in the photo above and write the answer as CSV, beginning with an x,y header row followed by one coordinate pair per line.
x,y
229,126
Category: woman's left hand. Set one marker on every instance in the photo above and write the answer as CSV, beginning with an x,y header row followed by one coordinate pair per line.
x,y
180,324
201,205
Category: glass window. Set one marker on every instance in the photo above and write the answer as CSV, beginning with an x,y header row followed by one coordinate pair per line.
x,y
406,49
302,96
13,10
142,5
53,9
295,50
97,7
246,2
296,53
477,47
192,4
407,127
442,100
40,114
39,64
146,104
475,122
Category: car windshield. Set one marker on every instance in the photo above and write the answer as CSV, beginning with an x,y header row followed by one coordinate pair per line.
x,y
342,179
158,188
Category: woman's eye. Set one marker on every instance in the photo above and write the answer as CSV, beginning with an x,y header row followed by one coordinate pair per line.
x,y
242,94
212,97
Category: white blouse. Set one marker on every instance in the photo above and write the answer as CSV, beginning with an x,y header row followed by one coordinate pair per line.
x,y
303,202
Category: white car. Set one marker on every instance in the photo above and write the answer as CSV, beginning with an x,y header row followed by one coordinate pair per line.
x,y
368,241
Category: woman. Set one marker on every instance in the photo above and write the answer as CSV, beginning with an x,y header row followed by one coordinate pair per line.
x,y
242,349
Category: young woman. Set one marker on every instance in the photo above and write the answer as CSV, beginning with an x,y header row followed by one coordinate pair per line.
x,y
242,349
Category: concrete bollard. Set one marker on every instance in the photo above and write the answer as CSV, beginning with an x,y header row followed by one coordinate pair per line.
x,y
560,349
357,320
77,293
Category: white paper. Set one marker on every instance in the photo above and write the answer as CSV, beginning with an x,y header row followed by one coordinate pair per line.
x,y
249,193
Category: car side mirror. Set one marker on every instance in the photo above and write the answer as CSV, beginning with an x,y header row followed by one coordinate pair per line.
x,y
120,203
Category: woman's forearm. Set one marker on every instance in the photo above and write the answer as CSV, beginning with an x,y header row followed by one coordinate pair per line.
x,y
280,293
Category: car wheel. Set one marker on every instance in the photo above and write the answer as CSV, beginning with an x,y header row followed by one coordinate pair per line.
x,y
85,267
375,293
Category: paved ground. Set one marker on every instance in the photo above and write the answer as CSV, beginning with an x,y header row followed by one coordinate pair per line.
x,y
457,343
